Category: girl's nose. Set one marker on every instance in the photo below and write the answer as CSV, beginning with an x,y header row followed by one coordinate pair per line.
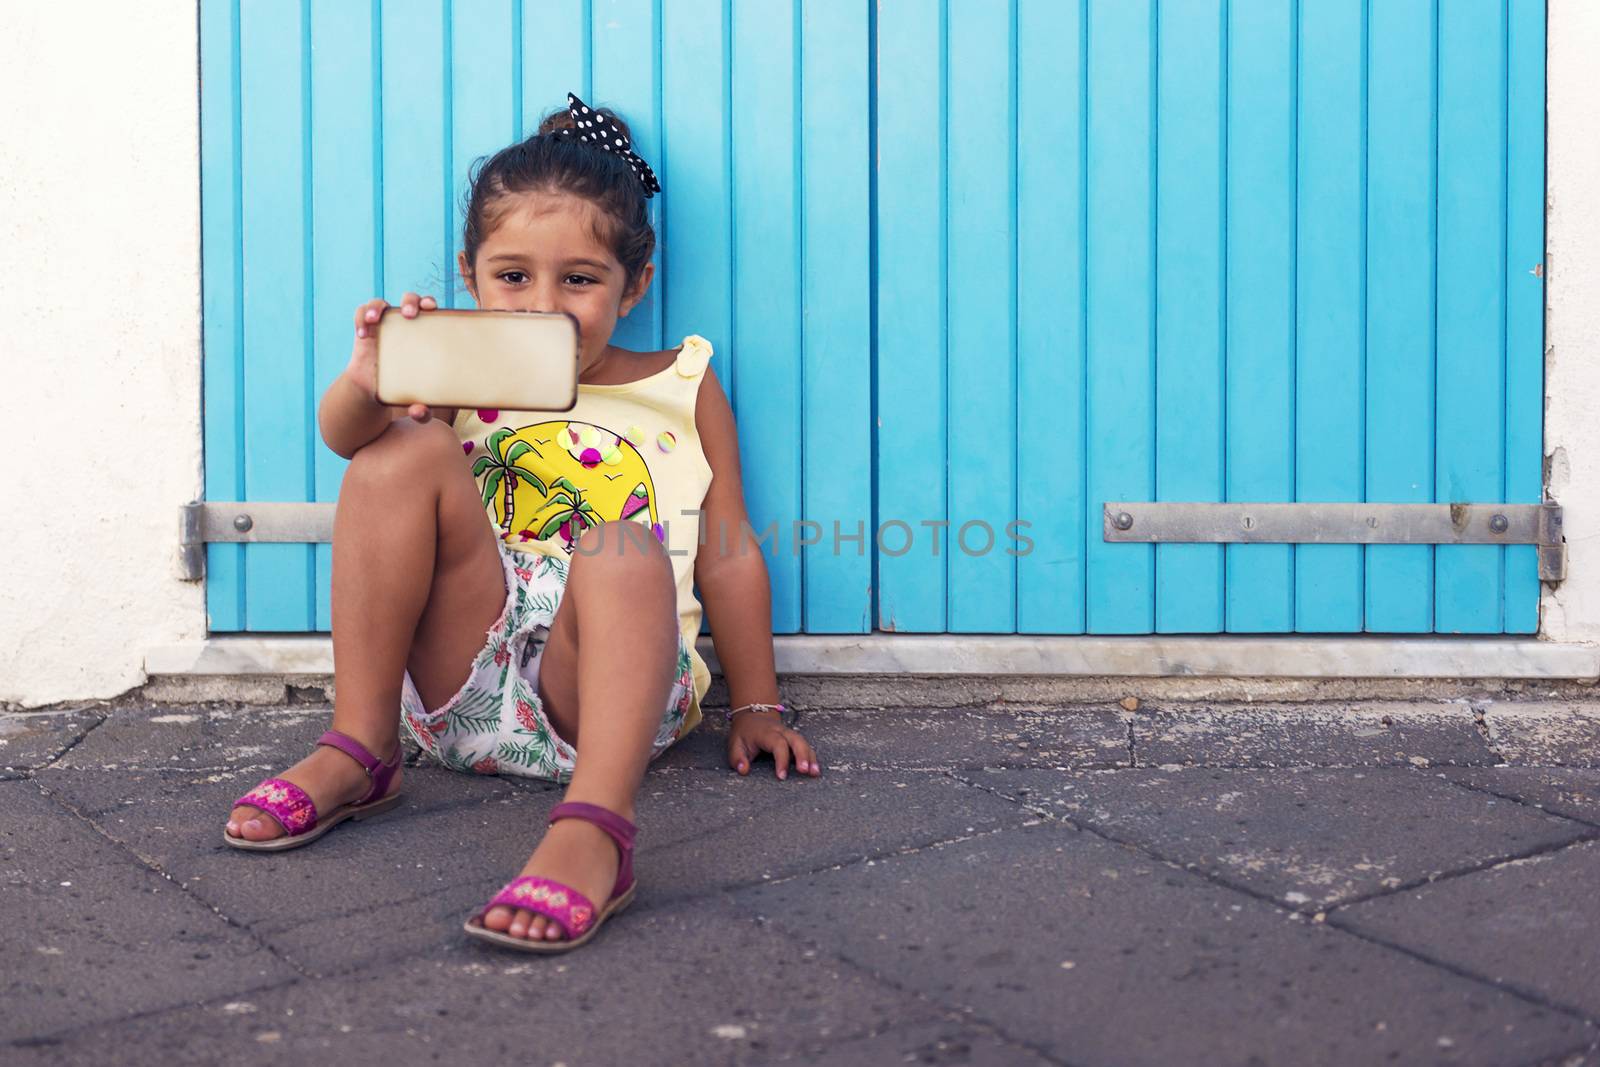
x,y
541,298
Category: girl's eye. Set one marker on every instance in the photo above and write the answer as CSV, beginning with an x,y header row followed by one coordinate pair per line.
x,y
513,277
579,279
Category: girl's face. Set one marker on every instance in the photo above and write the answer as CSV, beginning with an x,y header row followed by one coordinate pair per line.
x,y
543,255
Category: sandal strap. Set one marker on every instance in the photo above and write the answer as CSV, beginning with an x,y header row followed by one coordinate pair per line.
x,y
380,772
573,911
616,827
285,802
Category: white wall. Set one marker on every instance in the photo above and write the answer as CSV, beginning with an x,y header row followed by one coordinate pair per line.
x,y
100,349
1572,313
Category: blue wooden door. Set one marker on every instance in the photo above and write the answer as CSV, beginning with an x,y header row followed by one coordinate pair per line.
x,y
971,269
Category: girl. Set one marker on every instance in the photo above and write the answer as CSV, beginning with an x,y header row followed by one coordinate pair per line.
x,y
582,577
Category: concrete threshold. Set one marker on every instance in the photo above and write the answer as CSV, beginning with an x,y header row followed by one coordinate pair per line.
x,y
884,670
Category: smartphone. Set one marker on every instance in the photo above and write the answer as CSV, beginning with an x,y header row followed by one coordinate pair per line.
x,y
512,360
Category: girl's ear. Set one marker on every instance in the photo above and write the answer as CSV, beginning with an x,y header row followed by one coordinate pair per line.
x,y
635,292
466,274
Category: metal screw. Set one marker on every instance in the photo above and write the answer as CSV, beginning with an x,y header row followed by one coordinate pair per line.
x,y
1499,524
1248,522
242,523
1372,522
1123,521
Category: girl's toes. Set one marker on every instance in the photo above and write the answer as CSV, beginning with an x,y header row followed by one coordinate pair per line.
x,y
259,828
498,918
519,924
535,927
251,825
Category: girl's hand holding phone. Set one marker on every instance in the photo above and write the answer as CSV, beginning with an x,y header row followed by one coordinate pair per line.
x,y
363,368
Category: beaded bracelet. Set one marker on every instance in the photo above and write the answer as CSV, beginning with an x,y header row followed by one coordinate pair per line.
x,y
785,716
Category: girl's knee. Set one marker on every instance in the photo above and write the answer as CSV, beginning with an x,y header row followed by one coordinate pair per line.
x,y
625,548
404,449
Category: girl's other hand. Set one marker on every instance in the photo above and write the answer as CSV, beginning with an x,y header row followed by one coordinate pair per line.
x,y
363,369
754,732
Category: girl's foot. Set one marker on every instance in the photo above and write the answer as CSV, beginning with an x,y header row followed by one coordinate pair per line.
x,y
329,776
575,853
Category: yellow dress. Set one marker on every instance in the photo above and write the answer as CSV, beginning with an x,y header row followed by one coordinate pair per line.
x,y
627,452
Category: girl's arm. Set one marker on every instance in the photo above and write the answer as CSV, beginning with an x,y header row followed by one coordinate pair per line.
x,y
350,416
731,572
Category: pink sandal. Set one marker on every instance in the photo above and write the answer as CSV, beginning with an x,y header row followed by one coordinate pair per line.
x,y
570,909
289,805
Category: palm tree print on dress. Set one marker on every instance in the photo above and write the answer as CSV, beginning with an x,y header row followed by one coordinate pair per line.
x,y
572,515
572,476
503,469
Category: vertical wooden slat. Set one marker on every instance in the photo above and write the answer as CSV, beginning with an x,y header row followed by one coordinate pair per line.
x,y
555,57
982,270
277,427
696,182
767,277
1050,302
626,75
222,294
911,325
1121,385
1189,306
1259,583
1329,352
415,255
1400,276
697,261
1472,287
1524,266
483,99
837,336
344,216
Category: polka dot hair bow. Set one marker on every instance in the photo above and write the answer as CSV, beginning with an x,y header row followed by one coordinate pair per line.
x,y
593,128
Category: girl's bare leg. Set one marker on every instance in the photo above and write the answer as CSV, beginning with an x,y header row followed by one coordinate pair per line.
x,y
417,582
604,679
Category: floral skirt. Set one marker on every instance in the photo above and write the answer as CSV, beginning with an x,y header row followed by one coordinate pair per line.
x,y
495,723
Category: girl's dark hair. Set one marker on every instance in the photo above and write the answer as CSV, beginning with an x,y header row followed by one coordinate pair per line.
x,y
547,163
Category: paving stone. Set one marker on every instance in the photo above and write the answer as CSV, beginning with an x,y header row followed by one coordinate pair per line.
x,y
936,1043
363,936
181,796
699,833
934,739
33,739
92,935
702,831
1567,791
174,822
238,739
1100,955
1372,734
1532,924
679,987
1544,733
1308,838
1586,1055
705,748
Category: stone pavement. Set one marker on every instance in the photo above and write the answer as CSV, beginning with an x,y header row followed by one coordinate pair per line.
x,y
1342,884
